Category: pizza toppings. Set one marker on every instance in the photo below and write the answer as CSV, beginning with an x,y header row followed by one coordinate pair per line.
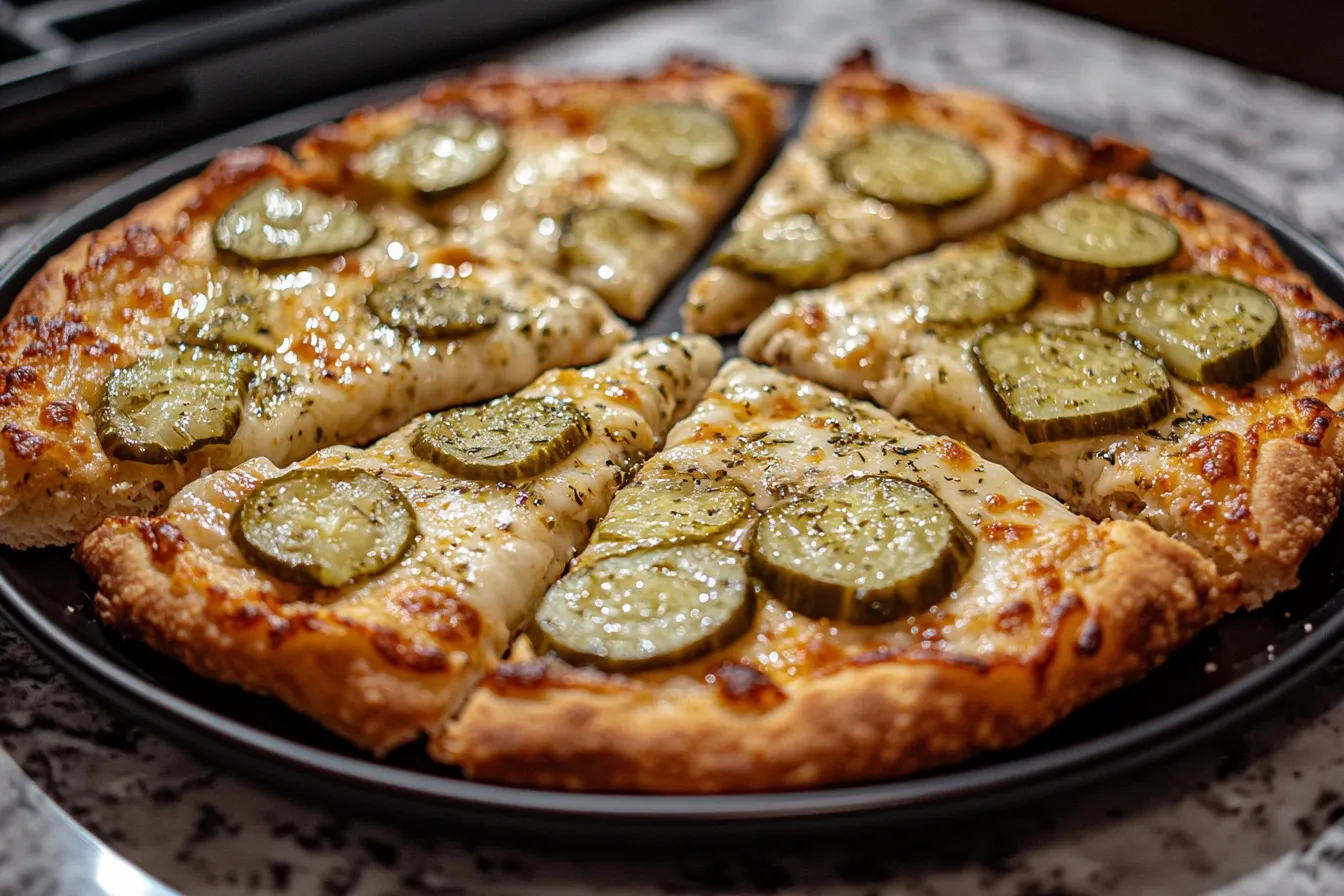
x,y
672,511
866,550
1094,242
237,323
166,405
910,166
794,252
969,288
608,242
656,607
674,136
435,156
324,527
1053,383
1207,329
271,222
510,438
434,309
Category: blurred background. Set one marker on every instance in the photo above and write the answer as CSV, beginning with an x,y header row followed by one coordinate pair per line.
x,y
85,82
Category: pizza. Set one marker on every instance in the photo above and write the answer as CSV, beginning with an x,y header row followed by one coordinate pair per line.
x,y
1135,349
883,170
371,588
245,314
800,589
615,183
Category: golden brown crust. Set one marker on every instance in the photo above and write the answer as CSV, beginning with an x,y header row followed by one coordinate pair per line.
x,y
879,717
372,684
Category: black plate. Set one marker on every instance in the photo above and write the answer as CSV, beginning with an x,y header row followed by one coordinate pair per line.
x,y
1231,671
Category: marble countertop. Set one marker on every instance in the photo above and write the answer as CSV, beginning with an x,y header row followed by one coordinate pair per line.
x,y
1258,812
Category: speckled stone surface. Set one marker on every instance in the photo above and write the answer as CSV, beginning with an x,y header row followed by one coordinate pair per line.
x,y
1261,812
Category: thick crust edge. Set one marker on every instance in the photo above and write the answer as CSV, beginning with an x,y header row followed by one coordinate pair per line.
x,y
885,719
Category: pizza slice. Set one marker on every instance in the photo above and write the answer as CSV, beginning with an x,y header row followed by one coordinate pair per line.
x,y
250,312
1135,349
883,170
370,589
615,183
802,590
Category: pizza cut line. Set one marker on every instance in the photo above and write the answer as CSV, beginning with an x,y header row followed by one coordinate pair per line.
x,y
883,170
1181,371
828,595
371,588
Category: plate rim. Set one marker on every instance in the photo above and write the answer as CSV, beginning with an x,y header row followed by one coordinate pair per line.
x,y
408,792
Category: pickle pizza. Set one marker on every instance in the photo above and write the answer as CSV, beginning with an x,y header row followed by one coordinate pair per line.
x,y
881,171
1133,348
799,590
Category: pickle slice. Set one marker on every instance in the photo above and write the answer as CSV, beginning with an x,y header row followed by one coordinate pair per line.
x,y
1054,383
434,309
324,527
970,288
673,511
1095,243
908,165
1207,329
656,607
672,136
271,222
509,438
866,550
435,156
794,252
164,406
239,323
605,234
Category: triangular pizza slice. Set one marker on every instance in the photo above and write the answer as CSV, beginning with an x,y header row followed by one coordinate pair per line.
x,y
883,170
1135,349
802,590
615,183
370,589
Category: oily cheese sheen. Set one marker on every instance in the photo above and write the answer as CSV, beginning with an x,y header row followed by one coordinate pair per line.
x,y
797,700
1235,450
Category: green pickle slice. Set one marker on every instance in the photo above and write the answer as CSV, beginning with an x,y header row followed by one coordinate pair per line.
x,y
908,165
1207,329
324,527
605,234
1054,383
436,156
865,551
674,136
509,438
656,607
238,323
1095,243
271,222
166,405
970,288
794,252
673,511
434,309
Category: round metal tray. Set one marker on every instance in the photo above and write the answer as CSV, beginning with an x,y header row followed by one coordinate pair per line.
x,y
1233,670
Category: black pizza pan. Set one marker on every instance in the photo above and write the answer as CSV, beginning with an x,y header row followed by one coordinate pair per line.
x,y
1231,672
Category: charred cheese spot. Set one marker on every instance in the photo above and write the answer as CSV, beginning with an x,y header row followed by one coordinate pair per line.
x,y
24,444
955,455
1000,532
1013,616
164,539
59,414
1216,455
446,617
1326,326
405,653
1088,642
16,381
1316,416
746,687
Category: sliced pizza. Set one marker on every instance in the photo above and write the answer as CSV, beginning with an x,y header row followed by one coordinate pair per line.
x,y
615,183
883,170
802,590
251,313
1135,349
370,589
